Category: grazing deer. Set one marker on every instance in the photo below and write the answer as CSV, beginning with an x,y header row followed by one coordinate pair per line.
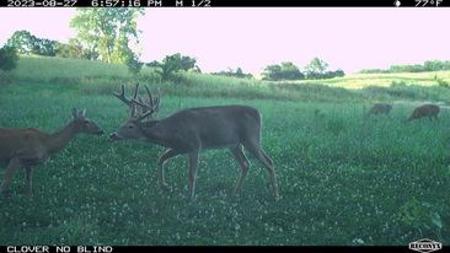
x,y
192,130
28,147
380,108
427,110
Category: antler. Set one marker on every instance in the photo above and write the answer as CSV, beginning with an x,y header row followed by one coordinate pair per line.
x,y
146,108
149,107
127,101
121,95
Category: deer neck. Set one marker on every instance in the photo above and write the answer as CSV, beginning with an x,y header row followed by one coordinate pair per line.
x,y
154,133
59,139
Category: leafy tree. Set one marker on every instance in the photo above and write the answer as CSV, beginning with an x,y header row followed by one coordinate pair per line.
x,y
67,51
26,43
436,65
339,73
74,50
44,47
186,62
107,31
239,71
174,63
406,68
230,72
23,41
373,71
284,71
290,71
331,74
433,65
8,58
272,72
316,67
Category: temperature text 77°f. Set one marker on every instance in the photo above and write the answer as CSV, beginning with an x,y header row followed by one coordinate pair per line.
x,y
428,3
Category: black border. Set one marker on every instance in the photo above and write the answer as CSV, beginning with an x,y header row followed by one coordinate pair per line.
x,y
248,4
247,249
239,3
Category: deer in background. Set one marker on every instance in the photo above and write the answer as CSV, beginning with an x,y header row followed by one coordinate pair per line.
x,y
427,110
28,147
193,130
380,108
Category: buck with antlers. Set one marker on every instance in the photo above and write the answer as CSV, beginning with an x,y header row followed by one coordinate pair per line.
x,y
190,131
26,148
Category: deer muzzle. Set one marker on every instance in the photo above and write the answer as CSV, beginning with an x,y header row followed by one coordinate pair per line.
x,y
115,137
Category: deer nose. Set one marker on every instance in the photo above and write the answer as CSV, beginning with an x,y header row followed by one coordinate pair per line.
x,y
114,136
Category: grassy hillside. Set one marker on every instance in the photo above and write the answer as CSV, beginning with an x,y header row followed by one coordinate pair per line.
x,y
99,78
54,69
345,179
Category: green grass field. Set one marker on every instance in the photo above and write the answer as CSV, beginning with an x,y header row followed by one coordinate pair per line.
x,y
344,179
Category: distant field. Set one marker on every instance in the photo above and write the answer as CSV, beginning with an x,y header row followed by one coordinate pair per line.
x,y
99,78
358,81
345,179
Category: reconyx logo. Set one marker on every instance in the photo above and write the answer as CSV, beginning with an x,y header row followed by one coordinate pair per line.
x,y
425,245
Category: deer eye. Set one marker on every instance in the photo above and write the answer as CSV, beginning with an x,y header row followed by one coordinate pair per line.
x,y
86,122
130,126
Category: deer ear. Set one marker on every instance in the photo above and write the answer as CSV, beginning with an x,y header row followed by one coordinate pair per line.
x,y
74,113
83,113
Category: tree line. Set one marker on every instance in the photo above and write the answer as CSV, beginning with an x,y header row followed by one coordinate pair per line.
x,y
316,69
427,66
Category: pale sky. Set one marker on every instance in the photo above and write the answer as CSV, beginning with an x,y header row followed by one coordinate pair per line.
x,y
252,38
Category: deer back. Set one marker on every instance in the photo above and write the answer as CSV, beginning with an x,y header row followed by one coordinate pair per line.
x,y
207,127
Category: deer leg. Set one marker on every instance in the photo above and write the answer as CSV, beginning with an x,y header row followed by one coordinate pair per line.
x,y
13,165
257,151
239,155
169,153
29,178
193,164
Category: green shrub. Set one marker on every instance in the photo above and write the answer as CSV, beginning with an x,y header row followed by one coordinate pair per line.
x,y
8,58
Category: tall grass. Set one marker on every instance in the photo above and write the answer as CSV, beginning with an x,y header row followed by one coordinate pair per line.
x,y
59,70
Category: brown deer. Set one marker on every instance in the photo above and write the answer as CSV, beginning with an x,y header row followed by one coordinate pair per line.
x,y
190,131
28,147
427,110
380,108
